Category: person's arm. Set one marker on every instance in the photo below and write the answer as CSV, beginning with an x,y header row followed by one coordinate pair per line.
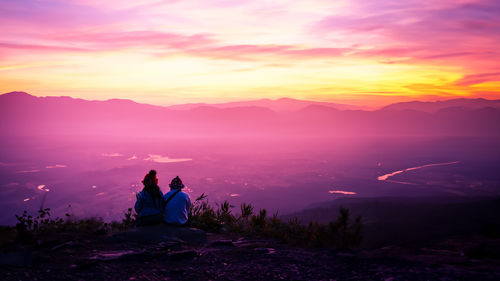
x,y
188,202
162,200
139,203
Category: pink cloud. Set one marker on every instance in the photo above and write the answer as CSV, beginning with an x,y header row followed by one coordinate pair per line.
x,y
448,55
478,78
124,39
415,30
263,52
436,30
202,45
110,41
37,47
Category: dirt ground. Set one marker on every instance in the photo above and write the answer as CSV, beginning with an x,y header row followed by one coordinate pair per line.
x,y
229,257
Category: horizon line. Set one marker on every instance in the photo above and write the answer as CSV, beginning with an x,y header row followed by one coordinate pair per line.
x,y
203,103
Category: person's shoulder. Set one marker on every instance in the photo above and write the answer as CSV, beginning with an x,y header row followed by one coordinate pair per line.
x,y
170,192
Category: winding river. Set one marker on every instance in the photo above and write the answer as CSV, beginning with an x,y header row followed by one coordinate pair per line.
x,y
387,176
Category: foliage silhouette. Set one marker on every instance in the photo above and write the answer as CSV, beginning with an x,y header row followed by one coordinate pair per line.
x,y
342,233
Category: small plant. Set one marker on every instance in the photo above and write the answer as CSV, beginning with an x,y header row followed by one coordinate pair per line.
x,y
129,220
348,233
224,216
246,210
28,225
202,215
259,221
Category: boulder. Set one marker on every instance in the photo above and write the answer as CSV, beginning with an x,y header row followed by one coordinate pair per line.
x,y
155,233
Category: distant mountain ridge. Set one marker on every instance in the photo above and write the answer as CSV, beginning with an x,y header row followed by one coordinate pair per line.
x,y
24,114
438,105
282,104
23,96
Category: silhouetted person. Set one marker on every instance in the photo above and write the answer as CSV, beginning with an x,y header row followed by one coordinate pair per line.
x,y
176,204
149,201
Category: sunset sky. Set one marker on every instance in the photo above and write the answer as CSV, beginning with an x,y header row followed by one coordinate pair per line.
x,y
169,52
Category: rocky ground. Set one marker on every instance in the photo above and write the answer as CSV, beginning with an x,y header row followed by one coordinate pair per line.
x,y
181,254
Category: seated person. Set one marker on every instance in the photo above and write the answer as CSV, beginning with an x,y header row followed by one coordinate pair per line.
x,y
176,204
149,202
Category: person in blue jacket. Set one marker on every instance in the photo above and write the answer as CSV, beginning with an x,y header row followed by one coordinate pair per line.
x,y
176,204
149,202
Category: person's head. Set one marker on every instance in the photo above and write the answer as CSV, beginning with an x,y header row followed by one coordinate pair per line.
x,y
176,183
150,182
150,178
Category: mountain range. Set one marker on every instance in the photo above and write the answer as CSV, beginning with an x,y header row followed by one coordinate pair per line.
x,y
282,104
439,105
26,115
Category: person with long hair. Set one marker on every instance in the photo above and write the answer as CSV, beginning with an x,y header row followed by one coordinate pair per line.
x,y
149,202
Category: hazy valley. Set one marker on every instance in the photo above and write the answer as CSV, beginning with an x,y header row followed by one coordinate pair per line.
x,y
87,157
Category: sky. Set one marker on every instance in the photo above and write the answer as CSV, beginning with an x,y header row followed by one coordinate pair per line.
x,y
170,52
